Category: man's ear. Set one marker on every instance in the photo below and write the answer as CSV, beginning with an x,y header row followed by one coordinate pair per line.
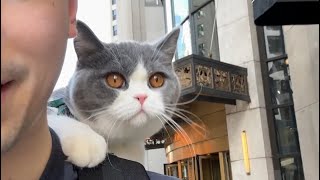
x,y
73,7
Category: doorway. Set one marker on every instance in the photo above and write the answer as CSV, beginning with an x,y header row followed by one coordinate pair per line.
x,y
201,167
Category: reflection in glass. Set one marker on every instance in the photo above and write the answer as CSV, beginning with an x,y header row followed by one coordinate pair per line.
x,y
184,170
206,31
114,30
184,46
197,3
187,169
291,168
210,167
200,14
172,170
180,11
202,50
280,83
286,129
274,41
114,14
200,30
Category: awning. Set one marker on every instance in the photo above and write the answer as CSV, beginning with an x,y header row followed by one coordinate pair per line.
x,y
285,12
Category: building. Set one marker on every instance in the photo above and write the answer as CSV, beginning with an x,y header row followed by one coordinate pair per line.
x,y
272,104
281,118
134,20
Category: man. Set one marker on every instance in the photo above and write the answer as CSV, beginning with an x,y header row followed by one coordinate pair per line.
x,y
34,35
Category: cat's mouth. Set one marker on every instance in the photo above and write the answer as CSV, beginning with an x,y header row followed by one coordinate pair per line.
x,y
139,119
138,113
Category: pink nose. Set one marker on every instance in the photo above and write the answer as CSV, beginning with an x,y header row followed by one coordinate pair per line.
x,y
141,98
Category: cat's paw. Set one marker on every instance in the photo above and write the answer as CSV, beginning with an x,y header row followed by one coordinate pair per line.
x,y
84,147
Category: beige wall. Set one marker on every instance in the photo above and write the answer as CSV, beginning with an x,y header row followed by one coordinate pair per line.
x,y
238,46
302,47
213,138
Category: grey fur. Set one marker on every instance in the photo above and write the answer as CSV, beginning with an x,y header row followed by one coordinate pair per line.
x,y
87,90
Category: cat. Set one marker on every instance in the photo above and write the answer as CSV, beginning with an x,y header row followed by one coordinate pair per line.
x,y
120,94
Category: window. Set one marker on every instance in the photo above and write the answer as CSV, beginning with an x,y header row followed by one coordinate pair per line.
x,y
114,14
200,30
206,29
279,104
180,11
280,83
115,30
274,41
202,50
198,34
200,14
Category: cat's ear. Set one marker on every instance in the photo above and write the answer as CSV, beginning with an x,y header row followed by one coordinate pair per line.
x,y
86,42
168,44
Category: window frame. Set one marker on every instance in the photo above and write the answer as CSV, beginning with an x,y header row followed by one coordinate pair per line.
x,y
264,60
114,30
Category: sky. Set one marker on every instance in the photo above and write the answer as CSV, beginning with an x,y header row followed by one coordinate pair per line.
x,y
93,14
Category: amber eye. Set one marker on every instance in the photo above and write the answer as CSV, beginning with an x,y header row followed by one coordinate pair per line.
x,y
156,80
115,80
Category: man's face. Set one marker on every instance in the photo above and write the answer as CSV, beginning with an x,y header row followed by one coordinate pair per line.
x,y
34,35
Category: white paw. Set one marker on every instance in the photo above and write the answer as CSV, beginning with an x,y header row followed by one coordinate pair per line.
x,y
84,147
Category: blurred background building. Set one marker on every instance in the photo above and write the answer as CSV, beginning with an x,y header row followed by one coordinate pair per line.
x,y
261,80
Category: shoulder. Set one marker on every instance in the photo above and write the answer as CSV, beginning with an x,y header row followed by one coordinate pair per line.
x,y
156,176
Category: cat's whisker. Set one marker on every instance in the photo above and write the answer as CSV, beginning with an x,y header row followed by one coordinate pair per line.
x,y
164,126
93,110
94,115
180,131
190,122
184,118
182,111
187,102
108,137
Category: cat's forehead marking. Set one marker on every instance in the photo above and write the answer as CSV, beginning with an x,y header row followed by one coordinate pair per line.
x,y
140,73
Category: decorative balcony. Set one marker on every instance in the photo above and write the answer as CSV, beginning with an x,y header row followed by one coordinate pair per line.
x,y
214,80
197,62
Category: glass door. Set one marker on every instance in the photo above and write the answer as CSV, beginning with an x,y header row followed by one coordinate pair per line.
x,y
209,167
187,168
171,170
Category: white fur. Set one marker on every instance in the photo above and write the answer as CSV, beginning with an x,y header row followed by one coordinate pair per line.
x,y
123,127
82,146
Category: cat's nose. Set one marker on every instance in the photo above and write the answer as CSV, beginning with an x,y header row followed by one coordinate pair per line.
x,y
141,98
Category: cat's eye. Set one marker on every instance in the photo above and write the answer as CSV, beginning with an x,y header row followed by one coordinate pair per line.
x,y
157,80
115,80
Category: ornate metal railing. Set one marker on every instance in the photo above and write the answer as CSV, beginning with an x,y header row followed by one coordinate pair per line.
x,y
215,81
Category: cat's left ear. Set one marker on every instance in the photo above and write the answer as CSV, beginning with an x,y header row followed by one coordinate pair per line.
x,y
86,42
168,44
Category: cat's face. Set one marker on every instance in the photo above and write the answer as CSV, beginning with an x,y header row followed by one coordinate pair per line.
x,y
128,88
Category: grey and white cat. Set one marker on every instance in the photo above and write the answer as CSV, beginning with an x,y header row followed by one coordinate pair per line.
x,y
120,93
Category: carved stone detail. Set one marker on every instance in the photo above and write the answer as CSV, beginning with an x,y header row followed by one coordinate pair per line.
x,y
221,80
204,76
238,84
184,74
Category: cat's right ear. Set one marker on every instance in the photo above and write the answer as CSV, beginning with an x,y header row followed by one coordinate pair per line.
x,y
86,42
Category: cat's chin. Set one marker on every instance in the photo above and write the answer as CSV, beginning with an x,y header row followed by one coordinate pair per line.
x,y
139,120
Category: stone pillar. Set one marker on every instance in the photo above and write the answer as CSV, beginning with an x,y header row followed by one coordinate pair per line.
x,y
302,47
238,45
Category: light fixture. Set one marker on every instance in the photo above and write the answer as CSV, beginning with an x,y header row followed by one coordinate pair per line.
x,y
245,152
